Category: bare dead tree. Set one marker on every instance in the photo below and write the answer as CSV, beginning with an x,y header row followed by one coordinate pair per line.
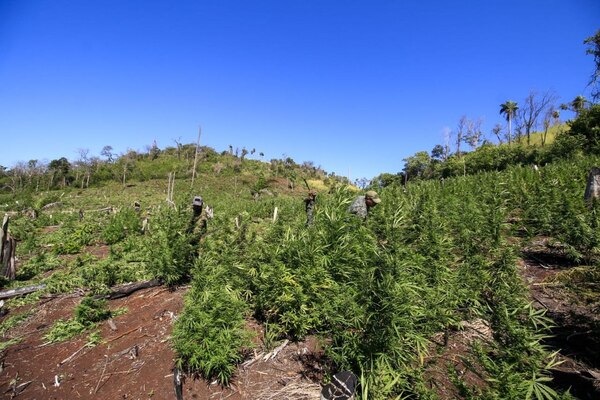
x,y
548,121
473,133
196,156
497,131
460,133
447,139
533,107
84,165
179,146
171,188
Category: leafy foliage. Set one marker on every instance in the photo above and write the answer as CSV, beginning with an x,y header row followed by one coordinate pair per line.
x,y
124,223
86,315
169,249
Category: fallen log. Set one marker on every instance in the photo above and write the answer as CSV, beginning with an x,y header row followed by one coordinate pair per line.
x,y
50,205
10,293
125,290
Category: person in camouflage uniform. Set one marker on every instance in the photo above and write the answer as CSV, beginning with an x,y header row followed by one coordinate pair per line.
x,y
198,224
309,202
362,204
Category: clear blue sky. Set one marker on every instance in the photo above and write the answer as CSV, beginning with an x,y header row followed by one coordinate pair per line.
x,y
350,85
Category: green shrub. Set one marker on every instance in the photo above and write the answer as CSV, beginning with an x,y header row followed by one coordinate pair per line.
x,y
125,222
72,237
87,314
170,254
209,335
91,310
37,264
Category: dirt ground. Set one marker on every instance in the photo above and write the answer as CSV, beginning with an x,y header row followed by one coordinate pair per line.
x,y
576,331
135,360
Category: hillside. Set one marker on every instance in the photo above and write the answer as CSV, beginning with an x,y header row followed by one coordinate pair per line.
x,y
474,287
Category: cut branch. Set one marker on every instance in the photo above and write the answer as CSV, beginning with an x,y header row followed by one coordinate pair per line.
x,y
125,290
10,293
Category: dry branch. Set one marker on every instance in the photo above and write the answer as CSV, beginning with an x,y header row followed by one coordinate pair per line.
x,y
123,334
274,353
248,363
50,205
125,290
102,375
66,360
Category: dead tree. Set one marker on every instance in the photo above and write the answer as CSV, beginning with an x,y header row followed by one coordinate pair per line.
x,y
171,188
8,246
125,290
196,156
9,265
3,235
592,189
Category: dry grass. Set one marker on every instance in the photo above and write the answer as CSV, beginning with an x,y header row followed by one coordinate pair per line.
x,y
296,390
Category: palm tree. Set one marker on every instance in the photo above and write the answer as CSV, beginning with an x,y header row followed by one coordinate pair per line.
x,y
509,109
578,104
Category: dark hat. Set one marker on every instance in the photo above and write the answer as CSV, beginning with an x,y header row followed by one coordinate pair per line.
x,y
197,201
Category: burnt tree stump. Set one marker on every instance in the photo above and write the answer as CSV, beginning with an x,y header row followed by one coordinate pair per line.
x,y
8,246
592,189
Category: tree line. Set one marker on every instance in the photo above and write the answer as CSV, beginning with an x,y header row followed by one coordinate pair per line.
x,y
153,163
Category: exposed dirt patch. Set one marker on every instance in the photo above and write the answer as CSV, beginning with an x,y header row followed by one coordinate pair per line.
x,y
100,250
576,333
132,363
450,352
135,361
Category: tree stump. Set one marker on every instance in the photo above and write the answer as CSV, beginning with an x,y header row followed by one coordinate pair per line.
x,y
342,387
592,189
9,265
145,225
3,236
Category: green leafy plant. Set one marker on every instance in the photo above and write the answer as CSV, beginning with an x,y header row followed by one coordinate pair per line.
x,y
125,222
87,314
170,254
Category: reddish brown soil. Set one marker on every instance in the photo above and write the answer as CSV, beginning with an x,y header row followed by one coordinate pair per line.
x,y
135,361
576,330
449,352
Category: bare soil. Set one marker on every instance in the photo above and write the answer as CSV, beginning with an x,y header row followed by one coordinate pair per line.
x,y
576,331
135,361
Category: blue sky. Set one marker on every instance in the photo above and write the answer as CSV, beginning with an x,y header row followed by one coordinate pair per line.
x,y
354,86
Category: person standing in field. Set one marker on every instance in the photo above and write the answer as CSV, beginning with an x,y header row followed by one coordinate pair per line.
x,y
198,224
363,203
309,202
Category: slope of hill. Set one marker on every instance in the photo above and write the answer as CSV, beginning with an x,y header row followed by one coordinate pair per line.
x,y
440,293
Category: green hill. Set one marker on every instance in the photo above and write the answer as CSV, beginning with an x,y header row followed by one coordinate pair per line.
x,y
393,298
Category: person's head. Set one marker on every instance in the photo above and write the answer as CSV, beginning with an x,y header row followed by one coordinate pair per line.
x,y
312,194
197,204
372,198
